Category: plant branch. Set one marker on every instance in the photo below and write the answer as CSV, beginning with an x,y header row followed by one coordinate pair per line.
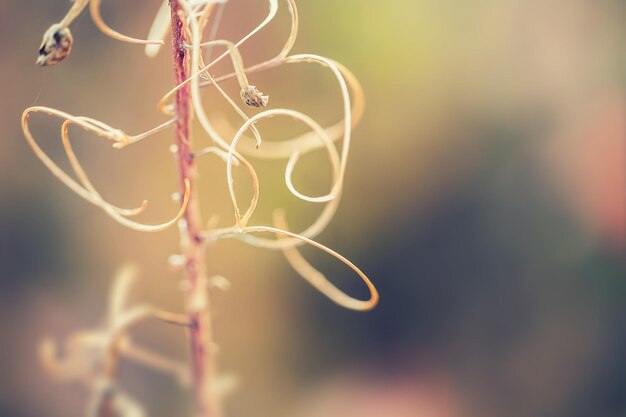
x,y
196,299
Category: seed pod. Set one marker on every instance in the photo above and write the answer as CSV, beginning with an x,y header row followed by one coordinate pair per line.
x,y
56,45
254,98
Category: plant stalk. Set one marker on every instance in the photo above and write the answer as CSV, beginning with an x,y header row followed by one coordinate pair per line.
x,y
196,297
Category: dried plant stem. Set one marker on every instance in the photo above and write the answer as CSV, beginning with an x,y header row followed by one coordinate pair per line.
x,y
197,302
187,20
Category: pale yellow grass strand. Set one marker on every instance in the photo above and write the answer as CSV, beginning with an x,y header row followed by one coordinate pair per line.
x,y
205,123
84,179
86,190
163,107
272,62
322,221
308,141
334,158
317,279
108,208
77,8
47,161
96,16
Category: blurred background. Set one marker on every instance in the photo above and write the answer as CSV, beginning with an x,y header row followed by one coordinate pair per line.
x,y
485,196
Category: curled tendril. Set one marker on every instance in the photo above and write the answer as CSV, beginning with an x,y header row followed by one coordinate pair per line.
x,y
197,13
329,210
313,276
163,107
308,141
242,221
205,123
84,188
287,46
291,149
96,16
319,280
243,82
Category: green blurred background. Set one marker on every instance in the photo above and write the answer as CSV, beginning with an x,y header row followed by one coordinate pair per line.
x,y
485,196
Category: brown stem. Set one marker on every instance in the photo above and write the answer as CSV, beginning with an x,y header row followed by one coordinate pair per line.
x,y
196,300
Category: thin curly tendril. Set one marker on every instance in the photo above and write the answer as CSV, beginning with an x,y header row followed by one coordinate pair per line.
x,y
85,188
287,241
197,14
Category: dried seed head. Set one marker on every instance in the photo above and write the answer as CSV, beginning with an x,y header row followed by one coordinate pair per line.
x,y
253,97
56,45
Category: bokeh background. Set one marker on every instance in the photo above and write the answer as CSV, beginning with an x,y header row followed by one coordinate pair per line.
x,y
485,196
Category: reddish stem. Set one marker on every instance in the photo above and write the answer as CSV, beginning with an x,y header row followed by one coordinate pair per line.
x,y
197,303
